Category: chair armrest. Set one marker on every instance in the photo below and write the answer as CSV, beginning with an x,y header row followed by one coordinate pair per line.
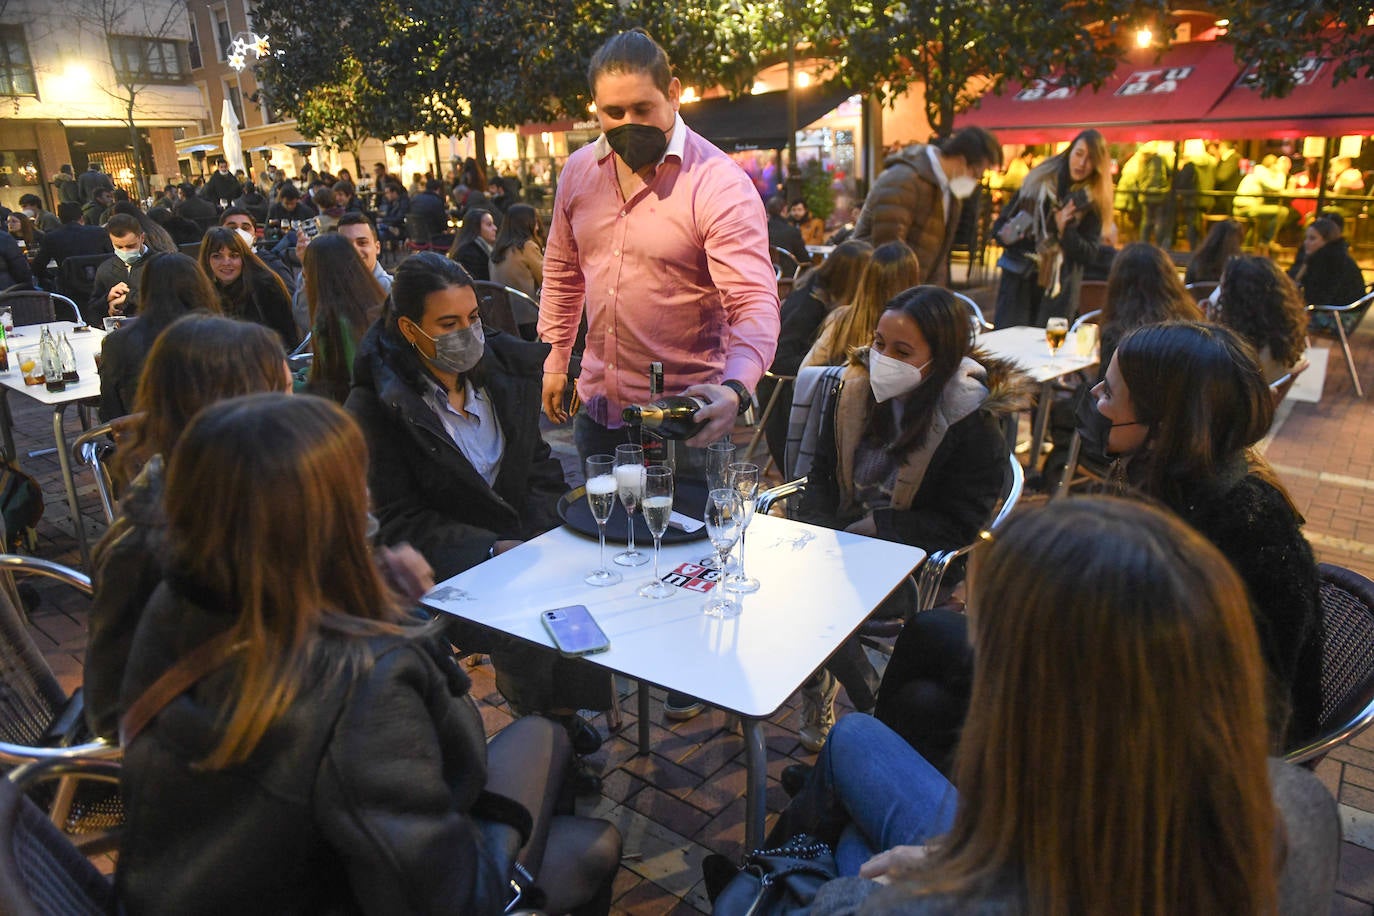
x,y
770,497
87,766
15,754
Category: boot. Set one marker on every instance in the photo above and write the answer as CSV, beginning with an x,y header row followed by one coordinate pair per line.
x,y
818,711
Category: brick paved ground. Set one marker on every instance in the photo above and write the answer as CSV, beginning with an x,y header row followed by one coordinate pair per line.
x,y
686,798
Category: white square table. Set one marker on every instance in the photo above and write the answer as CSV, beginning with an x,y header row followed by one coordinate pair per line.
x,y
1026,347
817,587
85,345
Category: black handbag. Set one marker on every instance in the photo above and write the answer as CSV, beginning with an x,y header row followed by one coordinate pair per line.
x,y
778,882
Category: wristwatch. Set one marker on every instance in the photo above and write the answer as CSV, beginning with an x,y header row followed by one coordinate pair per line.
x,y
746,400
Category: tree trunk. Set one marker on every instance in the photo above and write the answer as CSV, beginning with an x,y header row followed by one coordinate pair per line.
x,y
136,145
479,145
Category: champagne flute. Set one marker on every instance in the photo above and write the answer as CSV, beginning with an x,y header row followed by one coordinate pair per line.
x,y
601,489
1056,330
744,480
658,505
724,513
718,458
629,482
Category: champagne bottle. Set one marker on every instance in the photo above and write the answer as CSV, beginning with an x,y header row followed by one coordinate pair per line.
x,y
669,418
657,448
68,358
4,351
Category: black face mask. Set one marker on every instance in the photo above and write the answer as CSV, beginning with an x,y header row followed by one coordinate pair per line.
x,y
637,144
1093,428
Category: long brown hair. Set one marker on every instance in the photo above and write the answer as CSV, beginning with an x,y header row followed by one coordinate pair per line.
x,y
1143,288
243,466
1114,755
234,296
197,360
344,299
1260,303
892,268
837,278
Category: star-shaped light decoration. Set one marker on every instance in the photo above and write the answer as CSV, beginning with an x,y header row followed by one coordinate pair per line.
x,y
236,60
239,46
262,47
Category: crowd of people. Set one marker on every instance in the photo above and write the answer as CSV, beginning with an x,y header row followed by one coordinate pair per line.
x,y
1110,699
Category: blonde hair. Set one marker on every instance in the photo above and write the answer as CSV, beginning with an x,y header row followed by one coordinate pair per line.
x,y
1114,756
1045,177
892,268
267,507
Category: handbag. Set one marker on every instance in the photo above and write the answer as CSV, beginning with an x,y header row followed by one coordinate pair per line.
x,y
778,882
1017,265
1015,229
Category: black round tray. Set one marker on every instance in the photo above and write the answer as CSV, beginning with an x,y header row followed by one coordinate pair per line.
x,y
689,499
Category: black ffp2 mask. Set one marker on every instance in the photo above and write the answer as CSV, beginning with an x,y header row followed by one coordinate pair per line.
x,y
1092,427
637,144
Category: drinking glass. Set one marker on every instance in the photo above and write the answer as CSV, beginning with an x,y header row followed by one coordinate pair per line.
x,y
718,458
658,505
724,515
629,482
1056,330
744,480
601,489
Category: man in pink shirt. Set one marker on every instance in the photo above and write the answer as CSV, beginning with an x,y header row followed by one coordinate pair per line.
x,y
663,239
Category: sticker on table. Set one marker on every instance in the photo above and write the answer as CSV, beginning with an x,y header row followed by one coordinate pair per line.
x,y
693,578
450,593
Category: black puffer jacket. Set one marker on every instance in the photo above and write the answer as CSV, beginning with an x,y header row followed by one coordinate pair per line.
x,y
360,799
423,489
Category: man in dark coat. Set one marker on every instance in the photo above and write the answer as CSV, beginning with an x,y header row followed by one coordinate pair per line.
x,y
71,240
782,233
194,207
221,186
92,180
100,203
428,216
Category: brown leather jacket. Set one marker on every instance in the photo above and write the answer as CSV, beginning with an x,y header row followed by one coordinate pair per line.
x,y
905,203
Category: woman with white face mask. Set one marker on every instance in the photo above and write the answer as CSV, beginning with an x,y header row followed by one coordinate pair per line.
x,y
1051,230
458,468
914,452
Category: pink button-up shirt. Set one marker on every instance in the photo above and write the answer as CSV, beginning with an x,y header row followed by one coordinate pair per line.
x,y
680,274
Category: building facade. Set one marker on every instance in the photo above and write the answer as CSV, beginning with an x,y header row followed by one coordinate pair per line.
x,y
73,73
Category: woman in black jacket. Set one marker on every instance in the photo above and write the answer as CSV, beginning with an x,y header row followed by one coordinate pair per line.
x,y
172,285
247,288
1327,274
1063,210
458,467
326,756
912,451
472,246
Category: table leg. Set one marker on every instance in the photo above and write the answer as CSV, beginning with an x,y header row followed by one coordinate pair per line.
x,y
1042,420
756,784
7,420
64,459
643,690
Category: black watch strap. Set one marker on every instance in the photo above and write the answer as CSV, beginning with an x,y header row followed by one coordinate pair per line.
x,y
745,398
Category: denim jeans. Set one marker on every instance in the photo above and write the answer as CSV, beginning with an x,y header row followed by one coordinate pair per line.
x,y
869,792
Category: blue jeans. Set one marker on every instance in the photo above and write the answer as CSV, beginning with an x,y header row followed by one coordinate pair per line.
x,y
874,790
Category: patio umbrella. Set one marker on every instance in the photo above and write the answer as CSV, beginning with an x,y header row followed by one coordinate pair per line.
x,y
233,144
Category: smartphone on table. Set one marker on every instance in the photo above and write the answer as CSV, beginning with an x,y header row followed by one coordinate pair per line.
x,y
574,631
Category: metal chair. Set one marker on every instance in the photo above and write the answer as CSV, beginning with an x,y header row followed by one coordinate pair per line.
x,y
1280,386
41,872
39,721
76,276
933,571
980,324
37,306
1092,296
1336,312
781,384
94,448
498,305
1347,632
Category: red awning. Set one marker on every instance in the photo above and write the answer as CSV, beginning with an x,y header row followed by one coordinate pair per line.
x,y
1146,99
1313,108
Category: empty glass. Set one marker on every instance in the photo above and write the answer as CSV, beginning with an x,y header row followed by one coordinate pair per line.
x,y
724,521
601,489
718,458
658,505
629,481
744,480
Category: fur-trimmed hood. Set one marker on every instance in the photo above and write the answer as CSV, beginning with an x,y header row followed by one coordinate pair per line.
x,y
1009,389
